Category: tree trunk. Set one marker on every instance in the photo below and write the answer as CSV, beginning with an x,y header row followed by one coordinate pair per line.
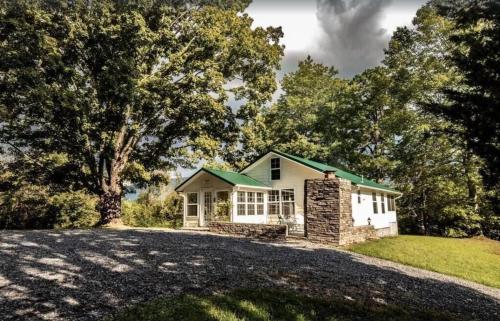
x,y
110,208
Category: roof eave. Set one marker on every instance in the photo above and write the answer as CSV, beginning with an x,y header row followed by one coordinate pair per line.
x,y
379,189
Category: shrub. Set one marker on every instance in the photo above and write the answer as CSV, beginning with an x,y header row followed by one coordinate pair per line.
x,y
74,210
32,207
25,208
151,210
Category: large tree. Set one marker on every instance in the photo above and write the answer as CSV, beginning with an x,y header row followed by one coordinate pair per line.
x,y
124,88
476,105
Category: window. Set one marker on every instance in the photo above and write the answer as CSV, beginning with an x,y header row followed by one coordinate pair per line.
x,y
288,202
241,203
359,196
275,169
208,204
260,203
192,204
250,203
382,203
375,206
273,202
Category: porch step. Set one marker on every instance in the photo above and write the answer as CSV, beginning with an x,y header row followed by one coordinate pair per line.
x,y
195,228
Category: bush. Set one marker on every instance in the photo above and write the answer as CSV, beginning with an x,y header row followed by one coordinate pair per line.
x,y
74,210
32,207
152,211
25,208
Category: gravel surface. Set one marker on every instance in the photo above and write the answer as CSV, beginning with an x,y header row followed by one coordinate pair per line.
x,y
85,275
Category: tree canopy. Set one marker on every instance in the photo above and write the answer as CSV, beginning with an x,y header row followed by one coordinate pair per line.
x,y
126,88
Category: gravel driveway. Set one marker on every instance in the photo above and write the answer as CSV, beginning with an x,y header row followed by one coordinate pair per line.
x,y
85,275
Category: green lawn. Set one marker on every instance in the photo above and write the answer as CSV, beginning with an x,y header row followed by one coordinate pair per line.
x,y
476,259
267,305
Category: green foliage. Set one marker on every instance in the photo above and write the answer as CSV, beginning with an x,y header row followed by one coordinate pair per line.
x,y
475,105
74,210
474,259
125,88
33,207
377,125
269,305
25,208
152,209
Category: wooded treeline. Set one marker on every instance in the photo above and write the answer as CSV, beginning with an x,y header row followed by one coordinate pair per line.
x,y
78,116
426,120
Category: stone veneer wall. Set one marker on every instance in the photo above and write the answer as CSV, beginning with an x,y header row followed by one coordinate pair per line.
x,y
263,231
328,213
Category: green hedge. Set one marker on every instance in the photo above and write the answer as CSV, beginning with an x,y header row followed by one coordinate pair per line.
x,y
32,207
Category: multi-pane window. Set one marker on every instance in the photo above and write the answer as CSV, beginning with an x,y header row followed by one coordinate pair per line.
x,y
375,206
273,202
275,169
192,204
260,203
250,203
241,203
288,202
359,196
208,203
382,203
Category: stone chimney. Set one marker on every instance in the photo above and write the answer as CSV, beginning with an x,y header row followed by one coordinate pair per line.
x,y
329,174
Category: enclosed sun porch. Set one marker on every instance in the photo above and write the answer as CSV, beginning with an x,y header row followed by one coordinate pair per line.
x,y
212,195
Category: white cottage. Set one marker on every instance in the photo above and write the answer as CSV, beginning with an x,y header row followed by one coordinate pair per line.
x,y
274,191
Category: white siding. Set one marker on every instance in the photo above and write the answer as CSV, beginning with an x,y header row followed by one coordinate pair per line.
x,y
207,181
364,210
293,176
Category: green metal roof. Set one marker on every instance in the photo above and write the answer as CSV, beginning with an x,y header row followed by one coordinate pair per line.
x,y
357,180
229,177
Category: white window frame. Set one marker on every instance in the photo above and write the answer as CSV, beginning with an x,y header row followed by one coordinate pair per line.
x,y
197,204
359,196
250,203
244,203
382,203
282,202
259,203
375,203
278,202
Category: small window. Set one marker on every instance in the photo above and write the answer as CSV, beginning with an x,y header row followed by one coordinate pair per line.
x,y
375,206
275,169
241,209
192,204
251,209
359,196
242,203
273,204
288,202
260,203
382,203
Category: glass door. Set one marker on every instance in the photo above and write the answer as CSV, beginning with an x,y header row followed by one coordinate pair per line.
x,y
207,207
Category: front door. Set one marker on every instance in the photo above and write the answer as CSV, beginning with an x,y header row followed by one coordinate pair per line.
x,y
207,207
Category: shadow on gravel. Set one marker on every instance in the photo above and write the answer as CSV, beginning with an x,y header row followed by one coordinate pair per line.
x,y
85,275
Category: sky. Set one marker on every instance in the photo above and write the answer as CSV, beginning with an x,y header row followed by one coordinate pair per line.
x,y
347,34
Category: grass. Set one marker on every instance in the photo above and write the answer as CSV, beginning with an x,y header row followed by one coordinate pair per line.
x,y
267,305
475,259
